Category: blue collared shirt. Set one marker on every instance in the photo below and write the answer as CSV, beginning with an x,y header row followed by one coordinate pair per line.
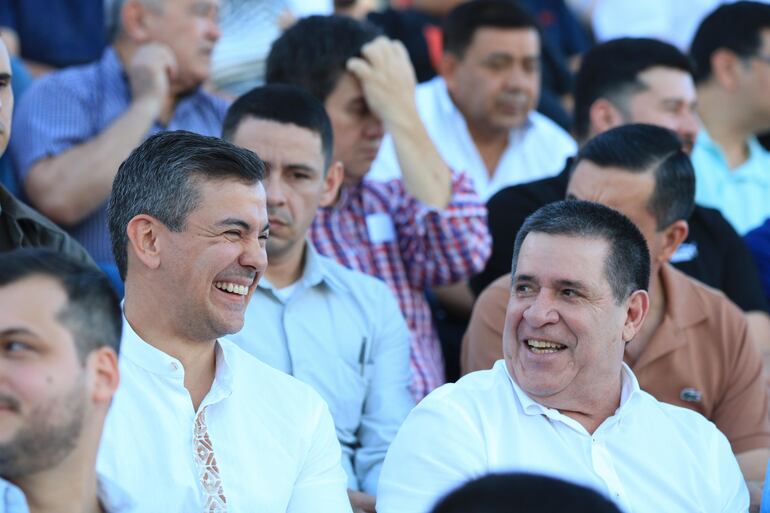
x,y
740,194
70,107
341,332
111,497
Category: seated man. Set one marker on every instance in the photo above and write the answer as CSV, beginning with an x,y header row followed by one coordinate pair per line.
x,y
425,230
562,403
693,350
74,127
59,334
198,423
731,50
338,330
480,113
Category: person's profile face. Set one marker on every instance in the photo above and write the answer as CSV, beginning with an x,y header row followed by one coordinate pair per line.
x,y
563,331
6,98
43,391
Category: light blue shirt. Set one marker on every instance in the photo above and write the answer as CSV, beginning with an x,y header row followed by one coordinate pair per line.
x,y
341,332
742,194
111,497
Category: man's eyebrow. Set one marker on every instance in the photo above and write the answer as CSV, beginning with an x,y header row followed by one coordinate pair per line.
x,y
523,277
232,221
571,284
12,331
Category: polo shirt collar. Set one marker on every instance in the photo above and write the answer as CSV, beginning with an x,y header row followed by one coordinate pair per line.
x,y
751,167
629,388
316,272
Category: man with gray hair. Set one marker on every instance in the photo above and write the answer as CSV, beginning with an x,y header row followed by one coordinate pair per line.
x,y
74,127
198,423
562,403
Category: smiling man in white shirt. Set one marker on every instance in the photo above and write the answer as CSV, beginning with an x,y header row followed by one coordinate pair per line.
x,y
562,402
199,424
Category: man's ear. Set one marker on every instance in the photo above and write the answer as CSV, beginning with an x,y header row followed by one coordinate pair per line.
x,y
724,69
332,182
143,241
102,364
673,236
603,115
638,304
133,16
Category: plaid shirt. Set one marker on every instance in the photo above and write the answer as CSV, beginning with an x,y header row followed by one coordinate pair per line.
x,y
381,230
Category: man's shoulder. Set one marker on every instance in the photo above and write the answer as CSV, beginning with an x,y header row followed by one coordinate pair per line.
x,y
73,80
694,296
684,424
351,280
476,391
544,127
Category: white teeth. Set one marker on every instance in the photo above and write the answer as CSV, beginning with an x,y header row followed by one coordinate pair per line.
x,y
233,288
543,346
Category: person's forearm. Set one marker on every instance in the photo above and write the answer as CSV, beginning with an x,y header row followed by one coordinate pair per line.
x,y
70,186
425,175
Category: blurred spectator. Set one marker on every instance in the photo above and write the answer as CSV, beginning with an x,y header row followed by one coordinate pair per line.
x,y
523,493
60,329
75,126
20,225
563,403
480,112
55,35
233,433
425,230
248,28
758,240
731,51
338,330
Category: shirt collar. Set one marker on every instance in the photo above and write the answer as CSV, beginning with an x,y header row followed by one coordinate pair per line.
x,y
152,359
314,273
629,387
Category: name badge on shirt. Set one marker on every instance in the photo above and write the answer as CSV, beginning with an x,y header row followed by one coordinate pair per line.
x,y
380,228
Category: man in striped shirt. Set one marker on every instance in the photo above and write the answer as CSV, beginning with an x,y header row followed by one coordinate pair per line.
x,y
424,230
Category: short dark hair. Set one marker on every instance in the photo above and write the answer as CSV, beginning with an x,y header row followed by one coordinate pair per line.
x,y
92,313
735,27
160,177
282,103
463,21
611,71
639,148
523,493
314,52
627,266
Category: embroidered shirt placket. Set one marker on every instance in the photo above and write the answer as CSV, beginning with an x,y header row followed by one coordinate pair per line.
x,y
208,470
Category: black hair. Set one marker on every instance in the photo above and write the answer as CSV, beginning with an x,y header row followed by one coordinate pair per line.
x,y
639,148
611,71
627,265
523,493
314,52
463,21
160,177
282,103
735,27
92,313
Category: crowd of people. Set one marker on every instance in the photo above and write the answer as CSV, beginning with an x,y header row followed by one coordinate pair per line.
x,y
457,256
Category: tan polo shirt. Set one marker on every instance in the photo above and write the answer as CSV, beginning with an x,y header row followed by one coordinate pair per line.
x,y
700,356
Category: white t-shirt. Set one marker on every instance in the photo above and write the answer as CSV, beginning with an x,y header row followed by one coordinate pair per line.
x,y
260,440
536,150
648,457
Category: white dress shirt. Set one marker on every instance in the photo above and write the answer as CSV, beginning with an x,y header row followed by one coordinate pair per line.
x,y
260,440
111,497
647,457
341,332
536,150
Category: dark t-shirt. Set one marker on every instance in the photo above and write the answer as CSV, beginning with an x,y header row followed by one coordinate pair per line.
x,y
713,252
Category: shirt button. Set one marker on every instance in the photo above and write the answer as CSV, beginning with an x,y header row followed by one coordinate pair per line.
x,y
174,367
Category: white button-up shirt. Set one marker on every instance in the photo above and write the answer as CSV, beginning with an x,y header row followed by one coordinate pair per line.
x,y
260,440
112,499
647,457
535,150
341,332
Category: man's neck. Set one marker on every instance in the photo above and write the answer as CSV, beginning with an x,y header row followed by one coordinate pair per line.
x,y
198,358
652,322
288,268
599,410
724,125
69,486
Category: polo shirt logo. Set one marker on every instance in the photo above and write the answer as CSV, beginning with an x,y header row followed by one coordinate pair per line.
x,y
691,395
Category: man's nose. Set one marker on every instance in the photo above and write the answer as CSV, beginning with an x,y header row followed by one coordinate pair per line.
x,y
274,190
541,311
